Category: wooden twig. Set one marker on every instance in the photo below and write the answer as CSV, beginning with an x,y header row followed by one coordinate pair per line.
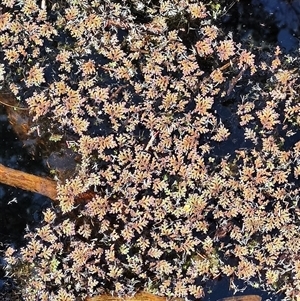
x,y
26,181
141,296
12,106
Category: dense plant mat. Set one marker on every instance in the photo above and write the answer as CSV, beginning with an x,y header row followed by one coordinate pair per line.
x,y
187,143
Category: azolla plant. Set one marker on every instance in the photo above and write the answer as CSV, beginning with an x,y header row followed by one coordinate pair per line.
x,y
188,144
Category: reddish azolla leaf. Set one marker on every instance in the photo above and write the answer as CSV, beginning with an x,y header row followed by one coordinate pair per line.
x,y
226,50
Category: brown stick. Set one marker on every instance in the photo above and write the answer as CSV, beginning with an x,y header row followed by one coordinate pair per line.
x,y
242,298
28,181
142,296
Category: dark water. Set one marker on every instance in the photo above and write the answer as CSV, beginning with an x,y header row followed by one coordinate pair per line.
x,y
262,23
220,289
286,17
19,209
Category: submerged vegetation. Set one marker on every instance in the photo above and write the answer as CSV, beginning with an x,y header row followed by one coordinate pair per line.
x,y
187,148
